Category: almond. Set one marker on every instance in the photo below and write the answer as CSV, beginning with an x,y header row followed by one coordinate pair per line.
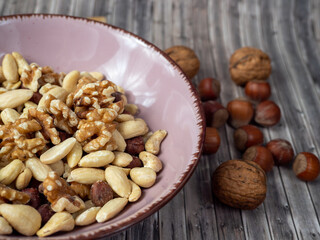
x,y
118,181
14,98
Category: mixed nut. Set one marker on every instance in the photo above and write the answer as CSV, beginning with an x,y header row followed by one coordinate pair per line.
x,y
72,150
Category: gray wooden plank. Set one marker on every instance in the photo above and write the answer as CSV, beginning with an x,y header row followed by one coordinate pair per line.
x,y
122,15
254,222
60,7
229,221
84,8
200,212
315,19
275,21
276,198
308,48
2,3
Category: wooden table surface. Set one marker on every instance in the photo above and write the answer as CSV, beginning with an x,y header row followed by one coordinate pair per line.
x,y
289,31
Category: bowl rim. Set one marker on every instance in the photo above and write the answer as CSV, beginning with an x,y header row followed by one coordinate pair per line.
x,y
158,204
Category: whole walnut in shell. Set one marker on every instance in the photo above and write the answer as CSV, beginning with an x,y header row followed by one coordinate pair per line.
x,y
249,63
185,58
240,184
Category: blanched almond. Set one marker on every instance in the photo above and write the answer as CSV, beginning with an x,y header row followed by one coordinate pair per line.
x,y
97,159
111,209
86,175
58,167
87,217
23,218
118,181
10,68
74,155
58,152
120,142
122,159
14,98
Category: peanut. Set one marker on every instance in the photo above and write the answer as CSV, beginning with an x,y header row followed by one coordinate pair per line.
x,y
111,209
135,193
97,159
58,152
122,159
118,181
151,161
9,115
62,221
153,143
144,177
10,172
74,155
23,179
70,81
39,170
86,175
10,68
5,227
14,98
132,128
23,218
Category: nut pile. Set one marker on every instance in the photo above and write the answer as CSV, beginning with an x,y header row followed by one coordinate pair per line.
x,y
72,150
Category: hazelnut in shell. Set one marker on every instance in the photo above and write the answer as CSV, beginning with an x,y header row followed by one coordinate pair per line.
x,y
209,89
212,141
260,155
258,90
216,114
306,166
186,59
249,63
247,136
267,113
240,184
281,150
240,111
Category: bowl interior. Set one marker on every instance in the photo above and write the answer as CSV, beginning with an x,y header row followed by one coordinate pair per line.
x,y
165,97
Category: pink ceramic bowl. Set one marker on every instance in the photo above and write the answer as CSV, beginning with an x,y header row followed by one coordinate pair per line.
x,y
165,96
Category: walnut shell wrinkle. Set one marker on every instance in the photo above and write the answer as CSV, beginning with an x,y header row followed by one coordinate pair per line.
x,y
240,184
249,63
186,59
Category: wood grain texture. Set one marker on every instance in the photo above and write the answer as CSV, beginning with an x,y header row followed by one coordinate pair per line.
x,y
289,31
